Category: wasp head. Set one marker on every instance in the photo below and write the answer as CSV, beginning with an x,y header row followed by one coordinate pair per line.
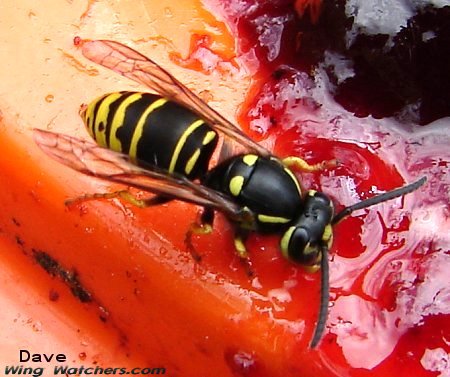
x,y
303,240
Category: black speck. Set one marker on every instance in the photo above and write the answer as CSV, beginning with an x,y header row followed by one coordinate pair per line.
x,y
49,264
53,295
278,73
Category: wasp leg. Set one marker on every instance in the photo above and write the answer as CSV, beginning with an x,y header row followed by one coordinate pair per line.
x,y
204,227
124,195
300,164
240,237
239,243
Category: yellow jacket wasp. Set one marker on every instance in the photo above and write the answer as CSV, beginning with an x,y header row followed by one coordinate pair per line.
x,y
163,144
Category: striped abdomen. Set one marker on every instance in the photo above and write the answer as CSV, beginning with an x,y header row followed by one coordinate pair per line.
x,y
152,130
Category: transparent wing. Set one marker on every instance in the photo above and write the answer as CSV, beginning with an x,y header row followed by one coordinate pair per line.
x,y
90,159
137,67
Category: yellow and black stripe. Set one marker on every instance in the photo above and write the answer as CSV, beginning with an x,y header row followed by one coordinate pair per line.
x,y
152,130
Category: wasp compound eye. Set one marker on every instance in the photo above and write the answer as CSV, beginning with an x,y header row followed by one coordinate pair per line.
x,y
296,247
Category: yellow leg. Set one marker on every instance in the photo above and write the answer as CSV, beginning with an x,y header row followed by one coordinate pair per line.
x,y
239,245
300,164
204,227
241,250
200,228
122,194
196,229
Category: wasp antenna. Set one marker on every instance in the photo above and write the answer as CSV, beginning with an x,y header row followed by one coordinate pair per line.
x,y
324,299
379,199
